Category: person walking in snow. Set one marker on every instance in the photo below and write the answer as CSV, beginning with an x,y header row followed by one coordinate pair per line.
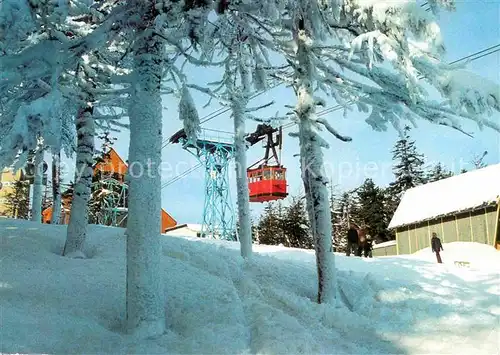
x,y
436,247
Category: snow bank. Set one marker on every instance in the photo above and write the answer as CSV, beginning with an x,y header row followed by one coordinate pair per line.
x,y
216,303
472,255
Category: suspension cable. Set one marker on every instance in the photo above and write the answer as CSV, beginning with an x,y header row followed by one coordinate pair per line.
x,y
471,57
224,109
181,176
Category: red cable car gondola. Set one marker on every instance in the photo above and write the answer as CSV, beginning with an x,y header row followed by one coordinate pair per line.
x,y
267,181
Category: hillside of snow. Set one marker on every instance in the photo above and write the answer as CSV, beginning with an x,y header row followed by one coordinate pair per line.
x,y
215,303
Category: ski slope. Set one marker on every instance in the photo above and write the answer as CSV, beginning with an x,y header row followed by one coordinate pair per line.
x,y
216,303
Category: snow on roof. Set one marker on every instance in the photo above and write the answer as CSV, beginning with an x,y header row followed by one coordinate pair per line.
x,y
458,193
384,244
194,227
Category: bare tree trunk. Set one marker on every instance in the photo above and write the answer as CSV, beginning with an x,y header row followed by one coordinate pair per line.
x,y
314,179
36,206
78,220
56,188
145,310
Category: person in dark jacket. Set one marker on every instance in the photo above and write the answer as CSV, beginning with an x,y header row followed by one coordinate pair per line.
x,y
368,247
436,247
352,240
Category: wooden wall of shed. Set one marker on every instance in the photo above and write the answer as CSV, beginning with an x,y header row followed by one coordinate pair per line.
x,y
491,224
385,251
476,226
448,230
463,227
435,227
422,236
479,232
402,241
413,241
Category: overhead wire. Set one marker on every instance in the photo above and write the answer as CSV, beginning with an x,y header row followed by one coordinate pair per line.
x,y
471,57
182,175
222,110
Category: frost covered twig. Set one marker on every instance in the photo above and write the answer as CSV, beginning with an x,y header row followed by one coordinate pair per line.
x,y
253,109
209,92
333,130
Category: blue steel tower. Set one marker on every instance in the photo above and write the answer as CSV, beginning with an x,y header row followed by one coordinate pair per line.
x,y
214,151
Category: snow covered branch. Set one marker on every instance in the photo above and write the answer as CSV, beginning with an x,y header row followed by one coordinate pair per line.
x,y
188,114
253,109
333,130
48,56
208,92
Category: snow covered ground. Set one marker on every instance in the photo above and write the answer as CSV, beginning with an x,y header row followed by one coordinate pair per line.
x,y
215,303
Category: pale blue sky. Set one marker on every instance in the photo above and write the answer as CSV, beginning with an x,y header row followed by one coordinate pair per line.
x,y
473,27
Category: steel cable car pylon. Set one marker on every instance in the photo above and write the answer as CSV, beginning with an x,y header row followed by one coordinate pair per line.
x,y
215,154
267,177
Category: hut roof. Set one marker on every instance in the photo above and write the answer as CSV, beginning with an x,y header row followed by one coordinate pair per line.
x,y
458,193
112,163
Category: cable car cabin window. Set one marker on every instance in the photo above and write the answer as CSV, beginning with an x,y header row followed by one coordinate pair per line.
x,y
267,175
279,175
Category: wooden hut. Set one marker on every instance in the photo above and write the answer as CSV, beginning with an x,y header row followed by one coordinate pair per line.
x,y
461,208
111,166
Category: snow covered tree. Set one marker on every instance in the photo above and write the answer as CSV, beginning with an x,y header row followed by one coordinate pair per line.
x,y
255,233
295,225
144,296
408,164
438,172
313,176
155,25
36,199
388,212
270,226
56,188
371,54
107,142
238,97
50,93
78,220
47,199
17,201
245,64
408,169
344,212
48,40
36,102
371,210
92,78
368,53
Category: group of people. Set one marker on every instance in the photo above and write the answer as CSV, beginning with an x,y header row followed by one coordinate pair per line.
x,y
359,242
